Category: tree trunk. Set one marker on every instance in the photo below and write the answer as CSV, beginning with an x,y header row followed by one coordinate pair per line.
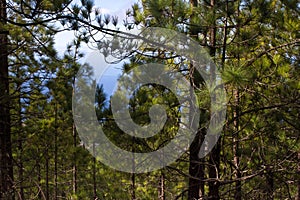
x,y
133,186
236,161
6,166
74,184
74,165
196,166
298,195
133,196
214,163
39,174
236,156
55,155
94,173
214,158
161,189
20,161
196,169
20,141
270,183
47,171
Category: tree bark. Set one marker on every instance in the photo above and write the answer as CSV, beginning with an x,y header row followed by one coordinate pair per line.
x,y
94,174
20,140
133,186
6,165
236,123
74,184
196,166
270,183
196,169
47,171
161,189
236,159
20,160
214,163
39,174
133,196
298,195
214,158
56,154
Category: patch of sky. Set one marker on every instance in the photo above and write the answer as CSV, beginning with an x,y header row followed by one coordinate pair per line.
x,y
110,72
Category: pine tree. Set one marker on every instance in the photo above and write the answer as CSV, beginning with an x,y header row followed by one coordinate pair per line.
x,y
244,40
254,43
6,165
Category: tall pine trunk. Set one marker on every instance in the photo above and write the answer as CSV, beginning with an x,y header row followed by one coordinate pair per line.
x,y
94,174
196,169
20,143
298,195
236,123
196,166
161,188
74,183
56,154
6,166
236,159
214,158
47,171
270,183
74,164
133,196
39,178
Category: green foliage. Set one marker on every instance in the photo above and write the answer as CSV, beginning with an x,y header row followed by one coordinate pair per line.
x,y
257,50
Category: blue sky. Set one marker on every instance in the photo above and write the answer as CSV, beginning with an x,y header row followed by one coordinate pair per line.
x,y
112,7
111,72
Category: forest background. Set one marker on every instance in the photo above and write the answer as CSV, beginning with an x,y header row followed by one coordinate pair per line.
x,y
255,45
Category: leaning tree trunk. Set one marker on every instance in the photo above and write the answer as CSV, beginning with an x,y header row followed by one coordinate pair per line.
x,y
6,167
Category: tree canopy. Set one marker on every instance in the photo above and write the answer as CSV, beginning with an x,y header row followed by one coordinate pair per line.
x,y
255,46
